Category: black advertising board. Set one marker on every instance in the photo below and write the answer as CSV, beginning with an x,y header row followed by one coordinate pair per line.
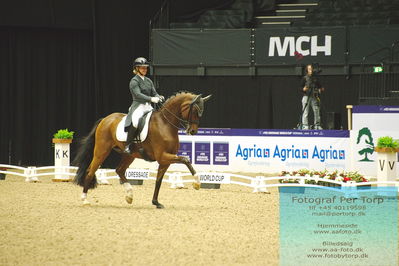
x,y
201,47
275,46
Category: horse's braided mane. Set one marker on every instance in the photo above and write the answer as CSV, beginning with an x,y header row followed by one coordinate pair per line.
x,y
177,94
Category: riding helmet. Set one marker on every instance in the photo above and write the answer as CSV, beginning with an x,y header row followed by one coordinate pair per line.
x,y
141,61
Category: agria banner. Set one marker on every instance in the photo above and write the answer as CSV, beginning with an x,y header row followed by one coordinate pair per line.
x,y
300,45
254,150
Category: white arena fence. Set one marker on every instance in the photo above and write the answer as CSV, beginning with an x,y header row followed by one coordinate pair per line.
x,y
178,179
32,173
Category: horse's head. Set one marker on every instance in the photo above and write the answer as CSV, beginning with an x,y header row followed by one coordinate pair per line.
x,y
192,111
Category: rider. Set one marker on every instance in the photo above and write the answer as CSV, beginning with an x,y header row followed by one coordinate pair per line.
x,y
143,93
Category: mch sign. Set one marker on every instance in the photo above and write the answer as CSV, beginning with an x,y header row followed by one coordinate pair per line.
x,y
305,45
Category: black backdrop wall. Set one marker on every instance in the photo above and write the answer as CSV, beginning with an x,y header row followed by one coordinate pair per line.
x,y
46,81
65,64
262,102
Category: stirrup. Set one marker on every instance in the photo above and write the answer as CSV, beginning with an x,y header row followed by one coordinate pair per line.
x,y
127,149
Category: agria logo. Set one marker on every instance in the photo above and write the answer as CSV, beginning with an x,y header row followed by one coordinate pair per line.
x,y
365,141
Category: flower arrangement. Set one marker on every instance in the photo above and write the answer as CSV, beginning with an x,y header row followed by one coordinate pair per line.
x,y
334,175
352,176
288,178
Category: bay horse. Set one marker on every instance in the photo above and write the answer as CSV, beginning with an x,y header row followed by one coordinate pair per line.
x,y
183,109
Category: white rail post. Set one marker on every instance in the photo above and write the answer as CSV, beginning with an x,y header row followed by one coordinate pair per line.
x,y
179,180
257,183
102,177
172,179
30,173
176,180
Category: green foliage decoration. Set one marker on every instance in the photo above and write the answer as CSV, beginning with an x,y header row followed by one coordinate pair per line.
x,y
64,134
387,142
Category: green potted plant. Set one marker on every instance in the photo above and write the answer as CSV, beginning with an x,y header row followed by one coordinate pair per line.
x,y
63,136
387,144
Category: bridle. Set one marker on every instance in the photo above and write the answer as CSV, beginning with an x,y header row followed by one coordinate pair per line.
x,y
196,104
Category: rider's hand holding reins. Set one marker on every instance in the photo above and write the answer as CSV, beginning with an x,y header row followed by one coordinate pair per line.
x,y
158,99
155,99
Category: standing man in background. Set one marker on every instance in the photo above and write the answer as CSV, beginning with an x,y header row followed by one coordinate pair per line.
x,y
311,88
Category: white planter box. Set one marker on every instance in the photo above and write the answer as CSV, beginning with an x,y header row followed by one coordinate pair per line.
x,y
386,165
61,159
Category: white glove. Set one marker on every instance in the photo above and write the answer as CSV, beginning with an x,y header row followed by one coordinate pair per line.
x,y
155,99
161,98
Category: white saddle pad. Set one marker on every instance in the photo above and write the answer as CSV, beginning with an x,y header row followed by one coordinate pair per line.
x,y
121,135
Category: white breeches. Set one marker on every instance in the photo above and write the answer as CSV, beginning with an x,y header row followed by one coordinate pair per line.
x,y
139,112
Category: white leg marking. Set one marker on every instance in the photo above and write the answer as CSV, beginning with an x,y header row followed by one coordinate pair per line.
x,y
129,192
84,199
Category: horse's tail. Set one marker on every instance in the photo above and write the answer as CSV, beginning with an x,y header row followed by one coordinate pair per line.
x,y
84,158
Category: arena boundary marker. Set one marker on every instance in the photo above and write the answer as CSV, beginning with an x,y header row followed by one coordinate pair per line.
x,y
177,179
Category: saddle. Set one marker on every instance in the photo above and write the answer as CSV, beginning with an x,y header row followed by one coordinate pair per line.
x,y
142,129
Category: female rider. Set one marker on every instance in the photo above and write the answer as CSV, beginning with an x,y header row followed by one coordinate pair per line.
x,y
143,94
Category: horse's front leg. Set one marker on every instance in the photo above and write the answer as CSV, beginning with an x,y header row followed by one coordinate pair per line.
x,y
173,158
169,158
161,172
196,184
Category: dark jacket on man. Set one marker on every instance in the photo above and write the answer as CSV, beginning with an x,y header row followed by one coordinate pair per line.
x,y
312,83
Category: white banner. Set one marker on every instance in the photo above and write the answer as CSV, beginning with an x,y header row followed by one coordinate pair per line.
x,y
369,123
214,178
263,151
137,174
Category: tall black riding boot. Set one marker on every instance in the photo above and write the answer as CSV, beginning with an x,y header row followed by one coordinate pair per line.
x,y
131,134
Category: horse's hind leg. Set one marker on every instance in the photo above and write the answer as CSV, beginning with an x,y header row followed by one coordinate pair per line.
x,y
99,156
120,170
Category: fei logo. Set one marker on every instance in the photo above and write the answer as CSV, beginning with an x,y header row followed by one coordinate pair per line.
x,y
304,45
365,139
